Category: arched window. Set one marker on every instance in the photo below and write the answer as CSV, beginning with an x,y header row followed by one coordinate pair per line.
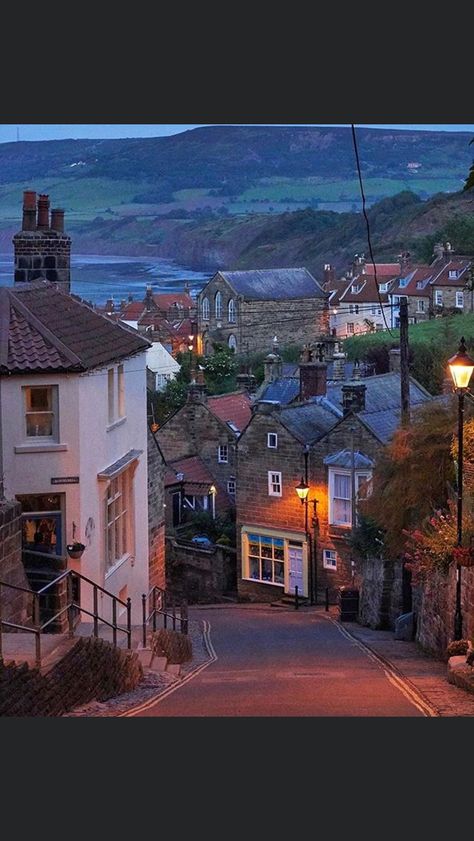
x,y
205,309
231,311
232,342
218,305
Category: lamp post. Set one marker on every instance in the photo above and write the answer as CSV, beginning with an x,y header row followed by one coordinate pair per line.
x,y
303,490
461,367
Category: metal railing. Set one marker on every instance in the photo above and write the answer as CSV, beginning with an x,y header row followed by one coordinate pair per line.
x,y
159,607
71,608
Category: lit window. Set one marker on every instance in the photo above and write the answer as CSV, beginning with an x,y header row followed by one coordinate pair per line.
x,y
272,440
329,559
420,284
274,483
41,412
206,309
265,557
118,511
459,299
231,487
403,282
438,298
340,494
218,305
231,311
355,288
223,454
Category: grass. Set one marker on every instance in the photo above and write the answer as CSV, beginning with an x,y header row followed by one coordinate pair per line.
x,y
348,190
82,198
434,330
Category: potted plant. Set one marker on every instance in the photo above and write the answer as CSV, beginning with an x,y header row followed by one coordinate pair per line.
x,y
75,550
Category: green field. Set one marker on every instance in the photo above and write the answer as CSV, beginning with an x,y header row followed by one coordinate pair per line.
x,y
277,190
81,198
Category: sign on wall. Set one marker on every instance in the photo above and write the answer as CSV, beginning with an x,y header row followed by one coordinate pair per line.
x,y
65,480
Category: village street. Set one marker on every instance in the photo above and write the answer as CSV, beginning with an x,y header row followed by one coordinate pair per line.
x,y
273,662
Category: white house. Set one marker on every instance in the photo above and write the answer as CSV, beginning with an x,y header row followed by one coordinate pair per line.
x,y
162,365
74,437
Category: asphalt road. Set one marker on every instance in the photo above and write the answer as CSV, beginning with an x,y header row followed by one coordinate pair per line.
x,y
285,663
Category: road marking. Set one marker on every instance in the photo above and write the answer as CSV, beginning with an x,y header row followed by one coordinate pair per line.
x,y
159,697
391,673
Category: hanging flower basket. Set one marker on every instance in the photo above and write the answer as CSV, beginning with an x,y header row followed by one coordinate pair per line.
x,y
464,556
75,550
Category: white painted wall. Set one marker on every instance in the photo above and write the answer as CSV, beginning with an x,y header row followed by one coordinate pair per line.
x,y
160,361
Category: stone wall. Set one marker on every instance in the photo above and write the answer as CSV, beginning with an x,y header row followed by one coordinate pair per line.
x,y
436,606
197,575
16,607
92,670
380,585
156,513
42,255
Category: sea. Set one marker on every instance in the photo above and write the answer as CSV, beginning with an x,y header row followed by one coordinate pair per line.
x,y
97,278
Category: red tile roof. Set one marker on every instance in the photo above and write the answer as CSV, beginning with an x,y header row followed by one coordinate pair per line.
x,y
133,310
383,269
194,470
441,276
233,407
166,300
417,274
368,292
42,328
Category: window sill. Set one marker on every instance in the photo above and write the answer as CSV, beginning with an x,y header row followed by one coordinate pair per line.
x,y
41,448
123,560
258,581
116,423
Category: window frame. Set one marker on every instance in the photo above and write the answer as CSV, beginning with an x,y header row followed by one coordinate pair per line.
x,y
275,436
121,413
275,486
124,494
420,305
232,342
326,565
438,298
218,304
231,481
53,389
205,309
459,293
360,475
220,454
266,539
231,312
350,328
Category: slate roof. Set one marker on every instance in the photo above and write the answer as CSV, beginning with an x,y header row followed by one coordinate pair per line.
x,y
44,329
194,470
309,421
382,393
233,407
283,390
274,284
344,459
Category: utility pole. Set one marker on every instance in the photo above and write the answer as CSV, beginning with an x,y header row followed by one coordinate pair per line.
x,y
404,370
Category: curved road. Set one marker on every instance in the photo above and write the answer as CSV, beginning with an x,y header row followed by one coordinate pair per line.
x,y
273,662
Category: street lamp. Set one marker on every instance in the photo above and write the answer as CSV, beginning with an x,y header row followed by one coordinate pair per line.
x,y
461,367
303,490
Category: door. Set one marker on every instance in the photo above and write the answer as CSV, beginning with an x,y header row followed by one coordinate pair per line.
x,y
295,565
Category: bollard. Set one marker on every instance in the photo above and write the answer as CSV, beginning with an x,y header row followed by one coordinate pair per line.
x,y
296,599
327,599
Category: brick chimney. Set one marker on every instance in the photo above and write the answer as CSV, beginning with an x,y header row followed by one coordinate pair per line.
x,y
29,210
313,376
273,367
329,276
43,212
57,220
339,359
149,303
353,397
197,391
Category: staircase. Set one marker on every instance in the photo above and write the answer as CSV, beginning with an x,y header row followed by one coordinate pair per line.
x,y
288,601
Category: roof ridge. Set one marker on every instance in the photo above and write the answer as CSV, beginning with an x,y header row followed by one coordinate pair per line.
x,y
44,331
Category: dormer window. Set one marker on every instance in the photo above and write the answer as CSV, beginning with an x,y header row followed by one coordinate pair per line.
x,y
403,282
383,287
453,274
420,284
355,288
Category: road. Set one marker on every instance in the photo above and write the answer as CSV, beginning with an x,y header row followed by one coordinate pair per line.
x,y
273,662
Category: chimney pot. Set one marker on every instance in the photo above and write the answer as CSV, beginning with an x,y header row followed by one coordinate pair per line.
x,y
43,212
29,210
57,220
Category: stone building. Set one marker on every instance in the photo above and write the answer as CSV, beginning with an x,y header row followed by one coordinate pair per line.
x,y
156,512
41,248
244,309
331,439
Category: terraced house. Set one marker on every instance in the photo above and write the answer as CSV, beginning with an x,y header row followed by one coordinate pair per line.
x,y
245,309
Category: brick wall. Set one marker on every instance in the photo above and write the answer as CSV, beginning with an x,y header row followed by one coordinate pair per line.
x,y
198,575
16,607
92,670
306,319
40,254
156,514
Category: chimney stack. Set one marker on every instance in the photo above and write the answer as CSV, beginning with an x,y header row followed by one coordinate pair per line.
x,y
57,220
149,298
43,212
339,359
438,250
394,357
273,367
353,397
29,210
313,376
329,276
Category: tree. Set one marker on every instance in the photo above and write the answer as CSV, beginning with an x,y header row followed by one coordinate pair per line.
x,y
470,178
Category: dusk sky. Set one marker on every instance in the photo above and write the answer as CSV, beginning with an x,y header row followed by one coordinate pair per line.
x,y
9,133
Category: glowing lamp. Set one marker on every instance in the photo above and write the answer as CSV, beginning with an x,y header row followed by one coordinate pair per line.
x,y
461,366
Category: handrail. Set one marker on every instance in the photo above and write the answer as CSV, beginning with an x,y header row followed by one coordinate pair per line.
x,y
152,615
44,555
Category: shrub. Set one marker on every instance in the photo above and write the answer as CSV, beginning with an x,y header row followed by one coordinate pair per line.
x,y
176,647
457,648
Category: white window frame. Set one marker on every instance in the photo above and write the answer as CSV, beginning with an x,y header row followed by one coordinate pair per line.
x,y
231,487
231,312
223,454
284,561
54,411
360,476
119,519
460,299
438,298
420,307
232,342
351,309
383,287
330,559
205,309
272,436
274,483
218,304
453,274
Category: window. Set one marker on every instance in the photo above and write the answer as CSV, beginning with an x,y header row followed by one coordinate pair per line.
x,y
350,328
420,284
355,288
329,559
232,342
351,308
459,299
41,412
161,380
223,454
231,486
274,483
206,309
340,494
121,391
118,516
453,274
403,282
420,306
438,298
231,311
266,556
383,287
218,305
396,300
110,386
272,440
357,309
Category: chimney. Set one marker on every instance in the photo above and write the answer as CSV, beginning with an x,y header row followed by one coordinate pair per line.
x,y
353,398
246,381
197,391
148,298
109,305
273,367
266,407
29,210
394,359
448,251
339,359
358,266
438,250
43,213
57,220
329,276
313,376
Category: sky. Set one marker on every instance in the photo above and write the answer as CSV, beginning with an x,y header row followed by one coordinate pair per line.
x,y
10,133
